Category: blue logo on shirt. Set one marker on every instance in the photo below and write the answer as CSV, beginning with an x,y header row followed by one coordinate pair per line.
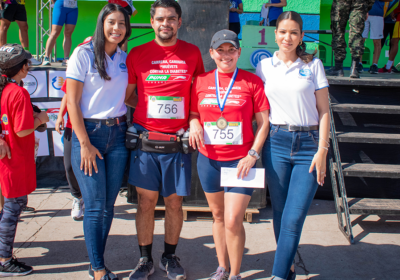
x,y
259,55
122,66
305,72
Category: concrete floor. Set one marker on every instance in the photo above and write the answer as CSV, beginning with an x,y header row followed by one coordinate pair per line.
x,y
54,244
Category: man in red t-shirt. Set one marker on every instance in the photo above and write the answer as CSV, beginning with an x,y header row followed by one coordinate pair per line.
x,y
162,72
18,169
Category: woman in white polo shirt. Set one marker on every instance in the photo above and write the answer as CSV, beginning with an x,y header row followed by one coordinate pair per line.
x,y
294,154
97,80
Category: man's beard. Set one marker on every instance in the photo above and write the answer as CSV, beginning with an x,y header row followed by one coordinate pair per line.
x,y
166,37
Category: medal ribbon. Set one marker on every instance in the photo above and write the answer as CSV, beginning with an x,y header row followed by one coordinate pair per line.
x,y
227,92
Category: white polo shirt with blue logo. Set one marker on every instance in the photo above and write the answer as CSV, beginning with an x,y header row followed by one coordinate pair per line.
x,y
291,90
101,99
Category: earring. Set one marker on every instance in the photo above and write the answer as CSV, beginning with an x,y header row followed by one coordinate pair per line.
x,y
275,39
301,42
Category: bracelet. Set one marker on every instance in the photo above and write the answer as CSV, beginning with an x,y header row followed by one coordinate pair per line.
x,y
326,142
323,148
39,120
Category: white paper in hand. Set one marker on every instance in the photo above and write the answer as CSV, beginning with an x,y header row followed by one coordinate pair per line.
x,y
255,178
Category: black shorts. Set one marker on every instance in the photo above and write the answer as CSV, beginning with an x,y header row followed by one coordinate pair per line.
x,y
129,10
15,12
235,27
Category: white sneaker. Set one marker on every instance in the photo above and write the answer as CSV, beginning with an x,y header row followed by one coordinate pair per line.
x,y
35,62
64,62
46,61
78,208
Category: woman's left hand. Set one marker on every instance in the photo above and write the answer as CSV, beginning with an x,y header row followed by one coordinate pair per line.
x,y
319,162
245,164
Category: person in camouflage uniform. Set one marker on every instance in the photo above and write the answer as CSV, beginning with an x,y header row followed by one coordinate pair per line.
x,y
354,11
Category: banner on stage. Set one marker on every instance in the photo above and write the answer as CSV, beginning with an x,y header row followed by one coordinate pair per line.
x,y
58,146
43,144
36,84
56,80
52,109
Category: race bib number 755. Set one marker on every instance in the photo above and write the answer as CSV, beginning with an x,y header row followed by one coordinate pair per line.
x,y
231,135
166,107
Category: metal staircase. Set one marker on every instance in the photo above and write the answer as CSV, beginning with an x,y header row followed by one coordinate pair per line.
x,y
365,130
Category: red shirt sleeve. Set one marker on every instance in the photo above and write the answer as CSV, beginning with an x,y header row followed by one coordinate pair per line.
x,y
132,78
260,100
22,112
200,65
64,89
194,98
64,86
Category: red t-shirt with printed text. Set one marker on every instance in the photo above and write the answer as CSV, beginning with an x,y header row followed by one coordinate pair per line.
x,y
18,174
246,98
161,73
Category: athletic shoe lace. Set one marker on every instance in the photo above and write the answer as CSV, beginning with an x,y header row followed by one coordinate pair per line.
x,y
143,266
174,262
219,274
76,205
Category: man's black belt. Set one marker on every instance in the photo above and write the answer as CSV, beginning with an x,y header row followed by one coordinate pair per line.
x,y
108,122
298,128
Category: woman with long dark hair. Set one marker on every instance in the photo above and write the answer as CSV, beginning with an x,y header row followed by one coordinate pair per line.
x,y
294,154
97,79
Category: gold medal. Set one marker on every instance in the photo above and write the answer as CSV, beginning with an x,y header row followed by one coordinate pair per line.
x,y
222,123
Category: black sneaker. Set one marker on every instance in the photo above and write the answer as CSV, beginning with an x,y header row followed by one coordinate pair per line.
x,y
360,68
143,270
15,268
335,71
91,273
394,70
170,264
373,69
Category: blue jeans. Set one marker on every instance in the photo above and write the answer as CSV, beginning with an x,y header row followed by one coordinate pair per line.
x,y
100,190
287,157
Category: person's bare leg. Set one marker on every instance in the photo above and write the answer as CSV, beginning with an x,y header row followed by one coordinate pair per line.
x,y
23,33
5,24
377,51
68,30
235,207
147,201
394,48
216,204
99,274
55,32
173,218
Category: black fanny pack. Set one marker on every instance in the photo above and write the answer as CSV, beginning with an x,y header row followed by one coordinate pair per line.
x,y
157,142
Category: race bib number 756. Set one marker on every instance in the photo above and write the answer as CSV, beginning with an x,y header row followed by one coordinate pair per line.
x,y
166,107
231,135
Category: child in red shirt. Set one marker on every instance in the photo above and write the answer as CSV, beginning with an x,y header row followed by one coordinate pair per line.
x,y
17,168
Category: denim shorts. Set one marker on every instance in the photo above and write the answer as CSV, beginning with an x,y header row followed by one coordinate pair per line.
x,y
210,175
165,173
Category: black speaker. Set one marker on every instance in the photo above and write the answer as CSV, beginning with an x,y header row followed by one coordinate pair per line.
x,y
201,19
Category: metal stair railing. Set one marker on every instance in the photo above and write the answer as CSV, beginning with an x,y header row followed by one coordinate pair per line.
x,y
341,203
